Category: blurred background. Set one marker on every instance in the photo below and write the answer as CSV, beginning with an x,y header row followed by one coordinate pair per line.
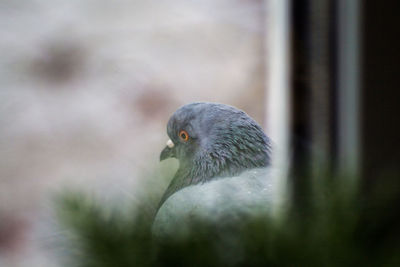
x,y
87,88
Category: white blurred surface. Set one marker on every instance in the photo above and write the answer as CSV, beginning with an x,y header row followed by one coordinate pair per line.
x,y
87,88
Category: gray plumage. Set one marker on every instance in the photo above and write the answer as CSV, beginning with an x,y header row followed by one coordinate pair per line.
x,y
222,164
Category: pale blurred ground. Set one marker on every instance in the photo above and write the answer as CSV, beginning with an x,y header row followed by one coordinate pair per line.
x,y
86,89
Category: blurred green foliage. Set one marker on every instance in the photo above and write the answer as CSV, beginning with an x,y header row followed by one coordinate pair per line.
x,y
340,227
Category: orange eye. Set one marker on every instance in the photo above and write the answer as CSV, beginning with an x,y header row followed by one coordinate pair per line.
x,y
184,135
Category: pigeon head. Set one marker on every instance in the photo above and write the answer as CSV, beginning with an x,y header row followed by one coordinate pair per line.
x,y
213,140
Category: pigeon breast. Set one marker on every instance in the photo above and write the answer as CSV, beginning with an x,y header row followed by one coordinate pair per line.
x,y
223,202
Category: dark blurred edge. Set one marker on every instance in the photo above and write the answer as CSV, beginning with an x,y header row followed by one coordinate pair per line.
x,y
315,111
380,90
380,108
313,126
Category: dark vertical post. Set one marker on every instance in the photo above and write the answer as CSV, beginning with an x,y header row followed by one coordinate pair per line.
x,y
380,126
380,90
300,130
313,94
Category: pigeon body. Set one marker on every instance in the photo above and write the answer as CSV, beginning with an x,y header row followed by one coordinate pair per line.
x,y
223,158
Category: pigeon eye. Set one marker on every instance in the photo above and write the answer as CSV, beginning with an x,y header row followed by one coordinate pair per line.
x,y
184,135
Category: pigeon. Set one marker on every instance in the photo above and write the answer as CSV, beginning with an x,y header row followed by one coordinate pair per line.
x,y
224,168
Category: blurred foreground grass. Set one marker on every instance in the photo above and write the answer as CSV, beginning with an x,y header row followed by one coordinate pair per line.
x,y
340,227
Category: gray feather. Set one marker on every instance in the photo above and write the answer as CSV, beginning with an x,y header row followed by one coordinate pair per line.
x,y
224,201
222,166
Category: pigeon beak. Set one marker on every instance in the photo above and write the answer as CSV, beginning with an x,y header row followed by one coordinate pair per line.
x,y
168,151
